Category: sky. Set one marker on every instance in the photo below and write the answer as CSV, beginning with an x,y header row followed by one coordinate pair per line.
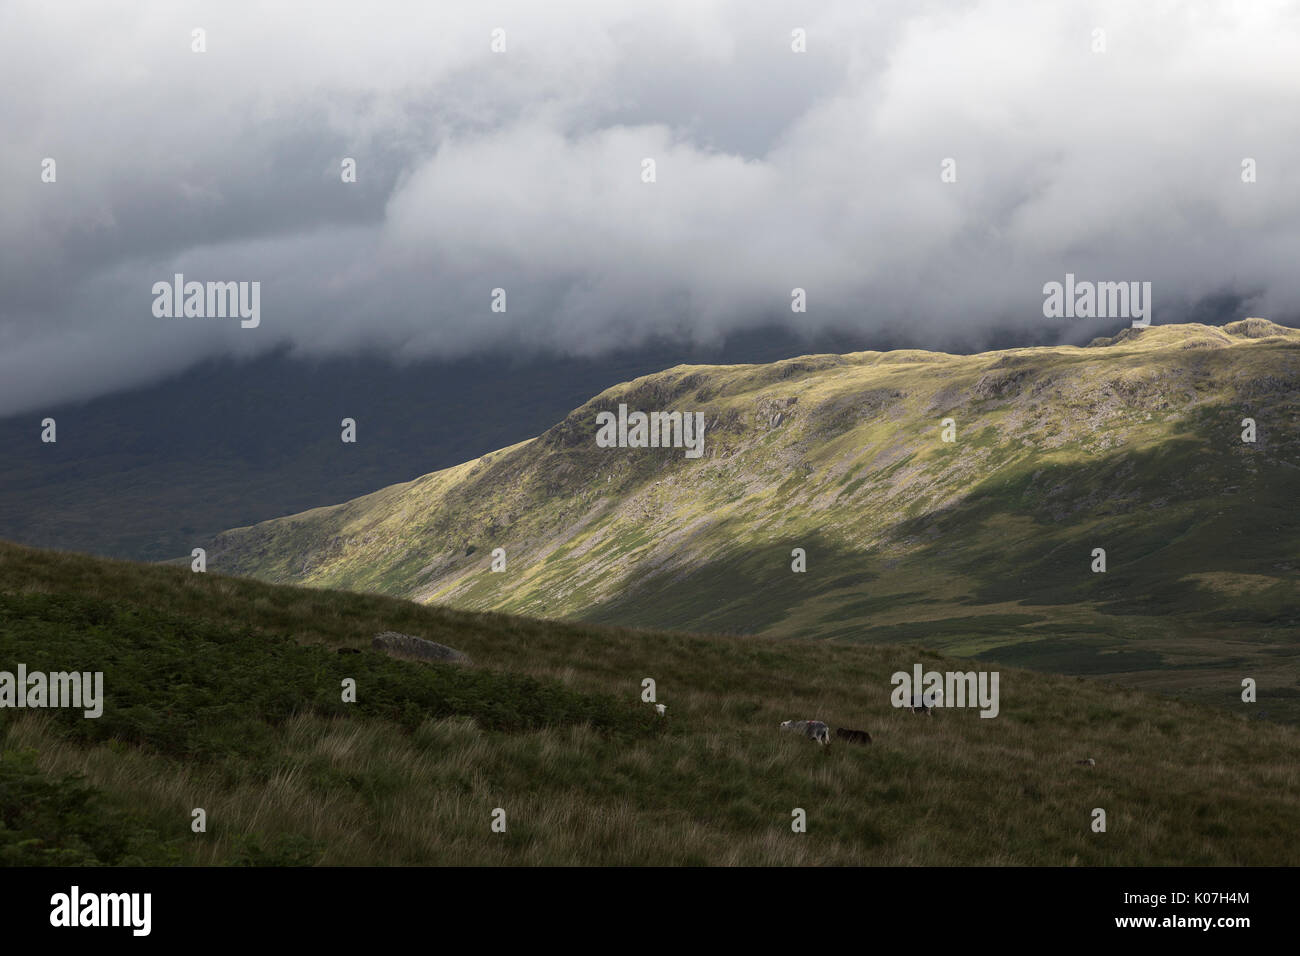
x,y
523,170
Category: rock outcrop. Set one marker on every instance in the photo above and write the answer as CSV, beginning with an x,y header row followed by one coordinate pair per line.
x,y
417,648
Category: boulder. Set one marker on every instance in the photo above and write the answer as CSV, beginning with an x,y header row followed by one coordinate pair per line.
x,y
404,645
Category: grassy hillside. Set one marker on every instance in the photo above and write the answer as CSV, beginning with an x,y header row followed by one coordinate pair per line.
x,y
147,473
981,547
222,693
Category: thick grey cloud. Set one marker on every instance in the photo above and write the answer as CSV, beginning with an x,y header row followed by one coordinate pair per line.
x,y
521,170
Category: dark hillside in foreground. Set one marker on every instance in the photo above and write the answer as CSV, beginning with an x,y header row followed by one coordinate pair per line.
x,y
223,694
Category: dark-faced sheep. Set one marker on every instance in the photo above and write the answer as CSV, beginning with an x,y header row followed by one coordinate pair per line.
x,y
852,736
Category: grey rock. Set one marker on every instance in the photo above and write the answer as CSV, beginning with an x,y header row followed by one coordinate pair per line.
x,y
404,645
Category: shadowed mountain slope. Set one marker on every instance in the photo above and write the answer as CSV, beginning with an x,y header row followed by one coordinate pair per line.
x,y
980,546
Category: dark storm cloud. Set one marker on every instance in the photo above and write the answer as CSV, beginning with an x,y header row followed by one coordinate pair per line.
x,y
522,171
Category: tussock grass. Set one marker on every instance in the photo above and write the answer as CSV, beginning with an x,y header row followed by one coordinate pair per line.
x,y
715,783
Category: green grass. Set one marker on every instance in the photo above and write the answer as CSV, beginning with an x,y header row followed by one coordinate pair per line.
x,y
198,689
222,694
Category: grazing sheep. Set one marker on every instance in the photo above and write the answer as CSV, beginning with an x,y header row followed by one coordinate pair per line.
x,y
1086,763
661,709
853,736
816,729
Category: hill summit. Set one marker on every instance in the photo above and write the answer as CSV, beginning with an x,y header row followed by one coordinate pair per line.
x,y
958,500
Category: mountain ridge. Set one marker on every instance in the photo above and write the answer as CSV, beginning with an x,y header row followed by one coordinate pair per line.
x,y
143,472
1058,450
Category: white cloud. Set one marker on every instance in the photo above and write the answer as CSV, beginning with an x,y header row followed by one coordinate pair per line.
x,y
522,170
